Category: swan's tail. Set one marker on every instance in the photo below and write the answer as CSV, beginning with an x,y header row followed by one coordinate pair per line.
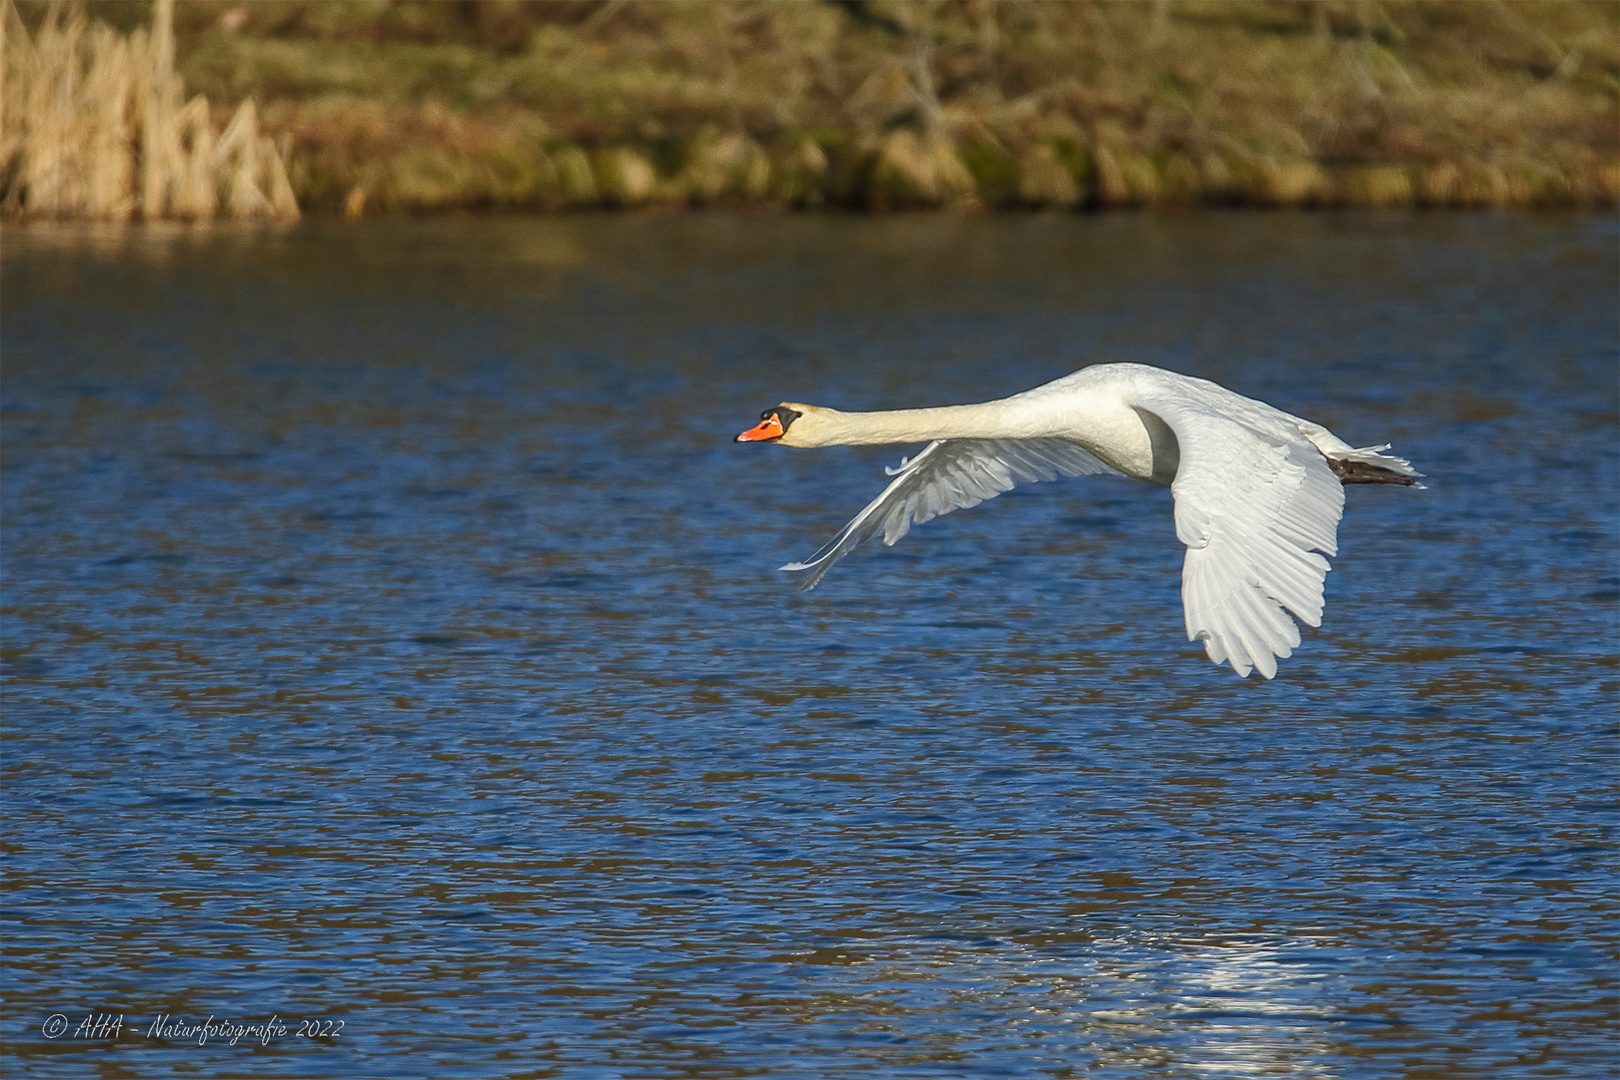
x,y
1370,465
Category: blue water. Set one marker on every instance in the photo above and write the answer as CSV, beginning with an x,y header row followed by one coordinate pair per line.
x,y
393,642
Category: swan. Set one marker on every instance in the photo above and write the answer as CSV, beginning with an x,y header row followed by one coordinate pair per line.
x,y
1258,492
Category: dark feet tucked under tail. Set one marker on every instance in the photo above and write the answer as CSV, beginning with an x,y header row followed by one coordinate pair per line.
x,y
1361,472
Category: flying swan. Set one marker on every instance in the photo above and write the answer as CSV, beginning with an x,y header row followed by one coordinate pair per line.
x,y
1258,492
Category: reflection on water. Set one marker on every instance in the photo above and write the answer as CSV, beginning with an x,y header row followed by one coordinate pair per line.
x,y
391,636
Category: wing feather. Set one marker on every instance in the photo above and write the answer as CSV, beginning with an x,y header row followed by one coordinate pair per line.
x,y
1258,511
950,474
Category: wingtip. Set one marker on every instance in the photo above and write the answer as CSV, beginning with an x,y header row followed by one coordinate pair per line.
x,y
799,567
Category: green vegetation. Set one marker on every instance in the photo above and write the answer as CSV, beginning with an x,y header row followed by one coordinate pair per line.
x,y
900,103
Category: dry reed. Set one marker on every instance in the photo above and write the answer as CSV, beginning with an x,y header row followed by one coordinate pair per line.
x,y
92,125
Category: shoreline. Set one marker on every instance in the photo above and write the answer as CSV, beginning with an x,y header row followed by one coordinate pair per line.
x,y
847,107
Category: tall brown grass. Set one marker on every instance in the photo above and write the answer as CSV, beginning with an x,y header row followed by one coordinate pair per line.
x,y
94,123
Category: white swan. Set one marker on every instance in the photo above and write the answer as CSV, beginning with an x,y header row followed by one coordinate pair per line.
x,y
1258,492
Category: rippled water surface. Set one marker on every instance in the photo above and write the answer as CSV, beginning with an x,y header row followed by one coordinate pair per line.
x,y
393,638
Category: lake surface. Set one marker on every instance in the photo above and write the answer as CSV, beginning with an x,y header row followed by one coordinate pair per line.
x,y
393,641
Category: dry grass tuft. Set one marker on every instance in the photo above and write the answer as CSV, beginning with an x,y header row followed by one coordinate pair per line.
x,y
93,126
723,168
912,169
1044,180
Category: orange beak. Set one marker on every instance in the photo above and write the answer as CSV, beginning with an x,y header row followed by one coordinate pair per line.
x,y
766,430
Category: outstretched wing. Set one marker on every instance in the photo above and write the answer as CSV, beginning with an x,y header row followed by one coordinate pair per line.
x,y
951,474
1255,511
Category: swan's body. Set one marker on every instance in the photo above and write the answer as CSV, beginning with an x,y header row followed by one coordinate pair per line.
x,y
1258,492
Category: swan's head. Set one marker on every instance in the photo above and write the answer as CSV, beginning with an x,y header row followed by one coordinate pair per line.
x,y
790,423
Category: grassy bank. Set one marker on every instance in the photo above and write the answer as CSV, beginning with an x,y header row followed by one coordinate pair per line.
x,y
995,103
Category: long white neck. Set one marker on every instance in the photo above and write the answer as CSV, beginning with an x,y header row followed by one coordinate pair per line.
x,y
1091,408
990,420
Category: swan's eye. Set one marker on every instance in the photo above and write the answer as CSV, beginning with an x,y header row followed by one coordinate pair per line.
x,y
767,414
